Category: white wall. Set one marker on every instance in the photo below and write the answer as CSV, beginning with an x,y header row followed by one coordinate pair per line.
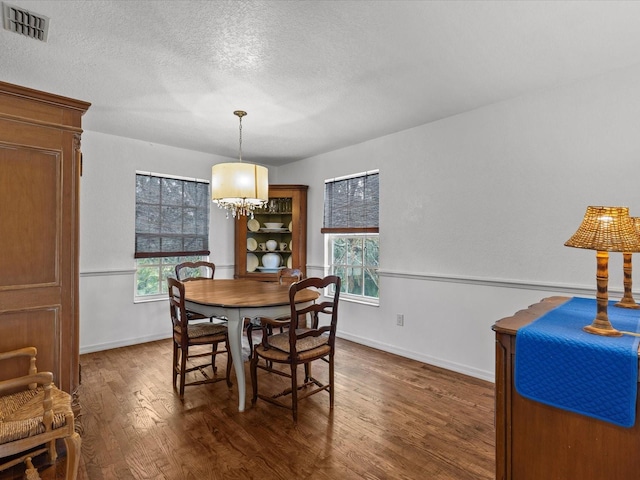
x,y
108,316
474,213
475,210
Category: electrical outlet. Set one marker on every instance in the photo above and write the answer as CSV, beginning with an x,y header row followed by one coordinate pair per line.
x,y
400,319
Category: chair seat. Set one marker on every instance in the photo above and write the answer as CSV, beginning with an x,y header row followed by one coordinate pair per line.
x,y
21,413
205,329
308,347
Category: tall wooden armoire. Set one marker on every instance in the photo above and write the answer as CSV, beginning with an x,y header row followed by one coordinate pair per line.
x,y
40,166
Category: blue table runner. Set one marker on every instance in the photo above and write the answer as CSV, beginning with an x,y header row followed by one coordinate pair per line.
x,y
559,364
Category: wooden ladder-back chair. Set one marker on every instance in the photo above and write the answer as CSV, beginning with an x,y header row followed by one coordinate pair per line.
x,y
187,271
300,345
190,271
34,413
193,271
285,276
187,335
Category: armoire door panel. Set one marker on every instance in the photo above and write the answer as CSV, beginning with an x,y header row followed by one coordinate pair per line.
x,y
30,200
37,327
19,298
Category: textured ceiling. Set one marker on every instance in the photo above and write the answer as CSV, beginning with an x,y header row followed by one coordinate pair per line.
x,y
313,76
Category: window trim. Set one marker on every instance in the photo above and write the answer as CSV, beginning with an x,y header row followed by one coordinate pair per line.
x,y
337,231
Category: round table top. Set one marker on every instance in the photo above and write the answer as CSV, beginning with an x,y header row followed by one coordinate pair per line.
x,y
237,293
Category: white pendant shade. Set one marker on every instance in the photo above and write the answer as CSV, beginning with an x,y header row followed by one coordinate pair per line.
x,y
239,187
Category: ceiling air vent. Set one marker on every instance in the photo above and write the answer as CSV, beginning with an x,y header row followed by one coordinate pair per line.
x,y
27,23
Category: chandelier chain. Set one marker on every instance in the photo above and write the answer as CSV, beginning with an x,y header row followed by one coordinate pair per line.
x,y
240,144
240,114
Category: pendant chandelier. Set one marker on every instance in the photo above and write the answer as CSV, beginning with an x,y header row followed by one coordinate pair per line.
x,y
239,187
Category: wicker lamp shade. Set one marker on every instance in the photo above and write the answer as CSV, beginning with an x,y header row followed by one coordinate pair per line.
x,y
607,229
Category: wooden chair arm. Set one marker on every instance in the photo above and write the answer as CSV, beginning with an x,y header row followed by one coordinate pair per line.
x,y
267,324
22,352
275,322
30,352
41,378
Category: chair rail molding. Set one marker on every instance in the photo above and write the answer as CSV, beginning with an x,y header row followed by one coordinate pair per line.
x,y
132,271
485,281
101,273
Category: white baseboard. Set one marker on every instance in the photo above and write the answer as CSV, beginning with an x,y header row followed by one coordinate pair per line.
x,y
455,367
122,343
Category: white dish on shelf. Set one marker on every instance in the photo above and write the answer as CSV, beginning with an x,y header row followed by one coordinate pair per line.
x,y
273,225
271,245
291,226
253,225
252,244
290,261
269,270
252,262
271,260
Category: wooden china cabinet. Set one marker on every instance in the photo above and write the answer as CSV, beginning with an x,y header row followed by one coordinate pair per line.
x,y
40,165
286,211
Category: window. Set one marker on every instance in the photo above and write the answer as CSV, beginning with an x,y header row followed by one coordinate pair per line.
x,y
351,229
172,226
354,258
152,273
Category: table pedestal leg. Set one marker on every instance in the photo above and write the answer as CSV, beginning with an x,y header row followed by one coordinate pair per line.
x,y
234,327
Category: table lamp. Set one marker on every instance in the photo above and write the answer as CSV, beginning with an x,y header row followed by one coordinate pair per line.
x,y
627,300
605,229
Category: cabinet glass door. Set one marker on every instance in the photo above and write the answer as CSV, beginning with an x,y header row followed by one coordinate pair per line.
x,y
270,238
276,236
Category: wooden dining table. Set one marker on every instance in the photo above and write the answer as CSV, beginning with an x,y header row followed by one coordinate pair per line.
x,y
236,299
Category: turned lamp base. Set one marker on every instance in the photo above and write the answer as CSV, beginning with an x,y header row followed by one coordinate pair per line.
x,y
601,324
607,332
626,303
627,300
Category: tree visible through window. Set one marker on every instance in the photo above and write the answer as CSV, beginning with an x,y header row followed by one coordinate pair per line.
x,y
354,258
152,273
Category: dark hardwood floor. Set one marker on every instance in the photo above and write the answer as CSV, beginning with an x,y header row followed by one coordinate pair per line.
x,y
394,418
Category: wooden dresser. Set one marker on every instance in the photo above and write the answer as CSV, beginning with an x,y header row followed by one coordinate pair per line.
x,y
40,164
538,442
